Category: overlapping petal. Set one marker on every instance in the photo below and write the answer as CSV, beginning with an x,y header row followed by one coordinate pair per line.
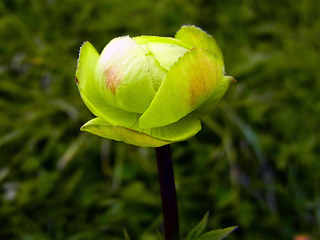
x,y
187,85
123,77
88,88
151,91
198,38
153,137
166,51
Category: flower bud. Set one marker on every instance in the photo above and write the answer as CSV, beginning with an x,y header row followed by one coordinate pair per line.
x,y
151,91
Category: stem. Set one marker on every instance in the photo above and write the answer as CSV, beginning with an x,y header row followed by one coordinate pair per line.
x,y
168,193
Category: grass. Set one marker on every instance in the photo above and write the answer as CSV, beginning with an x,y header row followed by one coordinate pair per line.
x,y
255,164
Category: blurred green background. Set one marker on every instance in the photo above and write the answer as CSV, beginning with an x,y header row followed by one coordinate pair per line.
x,y
255,164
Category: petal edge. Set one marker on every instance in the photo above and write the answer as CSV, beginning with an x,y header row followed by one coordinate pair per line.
x,y
187,85
103,129
198,38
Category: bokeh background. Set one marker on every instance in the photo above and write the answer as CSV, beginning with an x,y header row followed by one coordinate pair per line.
x,y
255,164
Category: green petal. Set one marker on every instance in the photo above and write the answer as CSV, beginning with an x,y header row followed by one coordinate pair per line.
x,y
103,129
198,38
166,51
218,92
155,137
181,130
109,113
88,89
188,84
123,77
141,40
88,57
157,72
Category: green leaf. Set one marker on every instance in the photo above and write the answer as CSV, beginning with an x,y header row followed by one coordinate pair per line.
x,y
188,84
123,77
198,229
125,234
217,234
198,38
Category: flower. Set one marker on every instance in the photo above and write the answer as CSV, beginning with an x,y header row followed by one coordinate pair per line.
x,y
151,91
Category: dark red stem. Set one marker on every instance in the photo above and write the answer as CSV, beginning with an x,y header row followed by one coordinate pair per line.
x,y
168,193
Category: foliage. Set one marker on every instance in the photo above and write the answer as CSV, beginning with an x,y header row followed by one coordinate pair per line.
x,y
197,232
255,164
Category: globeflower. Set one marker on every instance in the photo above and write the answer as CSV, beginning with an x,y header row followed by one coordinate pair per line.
x,y
151,91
